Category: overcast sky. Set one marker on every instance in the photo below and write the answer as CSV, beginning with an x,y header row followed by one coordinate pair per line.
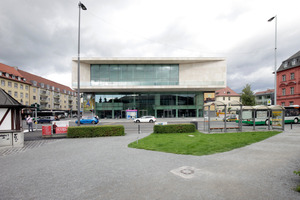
x,y
40,36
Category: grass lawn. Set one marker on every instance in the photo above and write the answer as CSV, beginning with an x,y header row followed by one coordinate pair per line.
x,y
199,143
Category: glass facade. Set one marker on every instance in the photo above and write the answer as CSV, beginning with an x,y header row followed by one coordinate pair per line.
x,y
171,105
134,74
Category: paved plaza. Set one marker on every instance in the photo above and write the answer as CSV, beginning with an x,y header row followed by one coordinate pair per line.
x,y
105,168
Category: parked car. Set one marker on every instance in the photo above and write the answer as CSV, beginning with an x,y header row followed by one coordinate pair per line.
x,y
230,118
47,120
92,120
150,119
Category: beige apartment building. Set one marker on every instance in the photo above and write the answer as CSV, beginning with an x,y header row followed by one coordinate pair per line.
x,y
15,84
29,89
228,97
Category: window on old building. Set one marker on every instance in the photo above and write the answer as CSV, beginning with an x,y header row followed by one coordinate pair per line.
x,y
292,76
292,90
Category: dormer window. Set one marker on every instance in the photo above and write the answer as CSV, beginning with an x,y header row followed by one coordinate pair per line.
x,y
0,73
19,78
228,92
13,76
52,87
48,87
285,64
7,75
65,91
294,62
42,85
34,83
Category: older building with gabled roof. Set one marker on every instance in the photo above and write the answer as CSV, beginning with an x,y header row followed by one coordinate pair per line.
x,y
31,89
264,97
14,83
227,96
288,81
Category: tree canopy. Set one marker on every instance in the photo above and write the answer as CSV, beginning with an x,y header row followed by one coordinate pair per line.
x,y
248,98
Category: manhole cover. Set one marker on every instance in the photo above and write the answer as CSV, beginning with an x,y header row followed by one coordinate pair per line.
x,y
184,172
187,171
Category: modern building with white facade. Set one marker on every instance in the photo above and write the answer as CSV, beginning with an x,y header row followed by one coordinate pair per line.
x,y
162,87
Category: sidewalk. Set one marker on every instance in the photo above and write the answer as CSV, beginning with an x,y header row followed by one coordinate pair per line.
x,y
105,168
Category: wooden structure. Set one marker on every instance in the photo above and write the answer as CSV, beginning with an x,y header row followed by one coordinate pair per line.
x,y
11,130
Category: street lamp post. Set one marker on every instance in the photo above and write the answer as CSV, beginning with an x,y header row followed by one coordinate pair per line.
x,y
275,58
80,6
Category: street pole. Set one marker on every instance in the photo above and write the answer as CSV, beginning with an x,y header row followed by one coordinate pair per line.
x,y
80,6
275,59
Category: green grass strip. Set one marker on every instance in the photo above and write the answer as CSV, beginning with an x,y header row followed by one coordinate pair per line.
x,y
198,143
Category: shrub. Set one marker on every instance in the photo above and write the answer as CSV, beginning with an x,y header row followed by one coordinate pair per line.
x,y
174,128
95,131
298,187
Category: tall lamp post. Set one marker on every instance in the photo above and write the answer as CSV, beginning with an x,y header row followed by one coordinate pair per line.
x,y
275,58
80,6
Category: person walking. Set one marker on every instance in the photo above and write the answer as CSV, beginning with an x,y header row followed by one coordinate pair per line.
x,y
29,122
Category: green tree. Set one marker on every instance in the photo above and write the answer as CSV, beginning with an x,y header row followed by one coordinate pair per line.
x,y
248,98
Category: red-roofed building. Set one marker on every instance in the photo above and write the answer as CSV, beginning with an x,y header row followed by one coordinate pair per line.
x,y
14,84
31,89
263,97
288,81
227,96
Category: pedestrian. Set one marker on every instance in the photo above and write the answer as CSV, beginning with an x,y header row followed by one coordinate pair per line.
x,y
54,128
29,122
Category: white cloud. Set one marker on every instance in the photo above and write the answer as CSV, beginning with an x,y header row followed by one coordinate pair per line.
x,y
41,36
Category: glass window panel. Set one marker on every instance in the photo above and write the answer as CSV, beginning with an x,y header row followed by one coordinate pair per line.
x,y
136,74
130,72
104,72
114,73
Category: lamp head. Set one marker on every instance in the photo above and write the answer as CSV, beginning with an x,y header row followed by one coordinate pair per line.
x,y
271,19
82,6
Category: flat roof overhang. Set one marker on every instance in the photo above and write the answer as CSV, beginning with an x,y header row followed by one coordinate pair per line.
x,y
149,89
146,60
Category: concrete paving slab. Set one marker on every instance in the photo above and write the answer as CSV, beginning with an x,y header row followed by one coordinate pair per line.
x,y
105,168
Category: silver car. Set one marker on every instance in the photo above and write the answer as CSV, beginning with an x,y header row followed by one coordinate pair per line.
x,y
150,119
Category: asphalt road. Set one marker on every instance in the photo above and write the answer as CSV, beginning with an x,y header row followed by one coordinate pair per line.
x,y
131,127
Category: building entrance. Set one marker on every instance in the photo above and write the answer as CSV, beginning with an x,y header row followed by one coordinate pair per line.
x,y
168,113
142,113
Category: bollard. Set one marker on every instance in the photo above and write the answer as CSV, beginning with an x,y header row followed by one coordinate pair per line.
x,y
291,125
139,132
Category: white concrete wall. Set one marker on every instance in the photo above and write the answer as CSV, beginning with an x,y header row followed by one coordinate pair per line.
x,y
209,72
85,74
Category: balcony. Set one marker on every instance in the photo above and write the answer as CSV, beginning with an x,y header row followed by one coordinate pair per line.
x,y
56,95
56,101
43,100
44,93
56,107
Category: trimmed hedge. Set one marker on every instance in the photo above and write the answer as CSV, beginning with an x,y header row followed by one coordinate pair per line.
x,y
175,128
95,131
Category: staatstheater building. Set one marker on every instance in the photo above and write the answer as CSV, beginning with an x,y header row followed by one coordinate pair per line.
x,y
162,87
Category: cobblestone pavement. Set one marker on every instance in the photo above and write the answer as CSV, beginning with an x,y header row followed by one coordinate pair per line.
x,y
27,145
